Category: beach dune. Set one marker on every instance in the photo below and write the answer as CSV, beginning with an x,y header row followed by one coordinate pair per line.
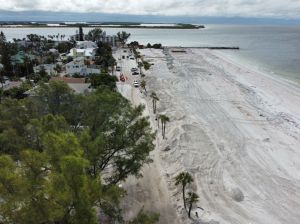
x,y
234,129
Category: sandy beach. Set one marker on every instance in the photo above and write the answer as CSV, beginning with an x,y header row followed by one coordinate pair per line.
x,y
236,130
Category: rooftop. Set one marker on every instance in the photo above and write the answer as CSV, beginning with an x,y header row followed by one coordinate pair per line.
x,y
80,87
11,84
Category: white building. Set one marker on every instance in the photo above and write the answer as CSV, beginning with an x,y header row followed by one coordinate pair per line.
x,y
112,40
88,53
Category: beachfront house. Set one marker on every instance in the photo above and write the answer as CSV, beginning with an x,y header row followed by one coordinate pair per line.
x,y
88,53
77,84
79,67
50,69
85,49
75,67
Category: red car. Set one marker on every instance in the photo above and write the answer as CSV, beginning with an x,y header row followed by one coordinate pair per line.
x,y
122,78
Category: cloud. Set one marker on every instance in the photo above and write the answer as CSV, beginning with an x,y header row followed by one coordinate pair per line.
x,y
228,8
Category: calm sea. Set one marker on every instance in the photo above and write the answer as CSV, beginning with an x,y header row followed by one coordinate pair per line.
x,y
274,49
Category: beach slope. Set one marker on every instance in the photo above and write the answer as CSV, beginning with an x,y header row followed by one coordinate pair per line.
x,y
237,131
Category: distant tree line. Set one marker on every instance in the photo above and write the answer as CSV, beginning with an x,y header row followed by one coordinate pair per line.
x,y
155,46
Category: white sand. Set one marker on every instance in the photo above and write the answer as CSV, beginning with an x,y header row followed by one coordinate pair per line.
x,y
237,132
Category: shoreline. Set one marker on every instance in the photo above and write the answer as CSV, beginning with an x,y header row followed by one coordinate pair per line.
x,y
243,63
262,71
175,27
235,130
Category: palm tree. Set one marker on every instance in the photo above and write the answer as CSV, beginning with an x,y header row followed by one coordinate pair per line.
x,y
183,178
157,118
111,62
143,85
154,100
191,199
164,119
140,65
123,36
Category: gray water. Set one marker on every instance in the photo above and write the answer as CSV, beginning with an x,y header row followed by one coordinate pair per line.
x,y
273,49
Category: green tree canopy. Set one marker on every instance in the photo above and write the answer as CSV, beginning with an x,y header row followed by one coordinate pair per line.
x,y
123,37
183,179
65,46
104,56
62,155
95,34
103,79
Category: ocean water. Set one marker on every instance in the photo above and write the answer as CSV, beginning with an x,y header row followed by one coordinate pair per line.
x,y
272,49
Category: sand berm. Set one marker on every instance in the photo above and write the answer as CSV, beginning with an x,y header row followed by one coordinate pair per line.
x,y
236,130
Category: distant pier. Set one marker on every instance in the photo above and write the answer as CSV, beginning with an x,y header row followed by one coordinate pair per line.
x,y
218,48
182,49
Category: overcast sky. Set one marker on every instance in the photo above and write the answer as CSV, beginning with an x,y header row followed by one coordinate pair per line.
x,y
229,8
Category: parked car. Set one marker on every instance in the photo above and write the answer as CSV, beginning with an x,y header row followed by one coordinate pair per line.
x,y
133,69
132,58
135,73
122,78
136,83
118,69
